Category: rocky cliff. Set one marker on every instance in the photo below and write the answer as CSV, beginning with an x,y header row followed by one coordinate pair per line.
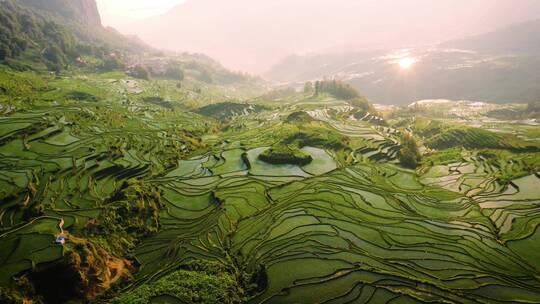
x,y
83,11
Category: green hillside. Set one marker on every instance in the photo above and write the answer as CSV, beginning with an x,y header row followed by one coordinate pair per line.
x,y
474,138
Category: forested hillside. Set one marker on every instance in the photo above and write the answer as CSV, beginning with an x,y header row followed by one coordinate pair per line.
x,y
57,36
25,33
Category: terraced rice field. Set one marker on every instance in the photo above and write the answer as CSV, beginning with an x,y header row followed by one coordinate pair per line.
x,y
363,231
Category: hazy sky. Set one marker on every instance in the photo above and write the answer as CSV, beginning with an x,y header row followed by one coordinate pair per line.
x,y
251,35
114,10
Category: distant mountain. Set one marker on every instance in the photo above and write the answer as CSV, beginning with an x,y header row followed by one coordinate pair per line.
x,y
500,66
252,35
522,38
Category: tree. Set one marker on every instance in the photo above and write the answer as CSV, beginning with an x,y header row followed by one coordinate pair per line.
x,y
409,155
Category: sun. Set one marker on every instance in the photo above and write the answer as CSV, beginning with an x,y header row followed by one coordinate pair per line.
x,y
407,62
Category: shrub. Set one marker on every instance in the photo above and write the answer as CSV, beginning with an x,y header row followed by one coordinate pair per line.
x,y
80,96
300,116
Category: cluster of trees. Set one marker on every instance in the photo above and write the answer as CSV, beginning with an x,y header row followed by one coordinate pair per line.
x,y
337,89
285,154
409,155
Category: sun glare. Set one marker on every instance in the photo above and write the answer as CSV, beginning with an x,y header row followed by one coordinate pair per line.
x,y
407,62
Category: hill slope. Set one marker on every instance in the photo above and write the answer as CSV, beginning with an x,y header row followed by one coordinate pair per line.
x,y
56,33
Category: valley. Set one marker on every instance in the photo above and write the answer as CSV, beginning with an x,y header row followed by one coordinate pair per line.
x,y
135,175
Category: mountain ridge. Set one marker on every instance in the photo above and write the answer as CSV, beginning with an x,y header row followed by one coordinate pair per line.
x,y
520,38
498,66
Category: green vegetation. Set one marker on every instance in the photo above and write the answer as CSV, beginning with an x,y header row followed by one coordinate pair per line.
x,y
409,155
23,31
337,89
299,117
146,188
197,282
340,90
475,138
228,110
442,135
318,137
81,96
21,89
283,154
32,40
511,166
444,157
132,212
